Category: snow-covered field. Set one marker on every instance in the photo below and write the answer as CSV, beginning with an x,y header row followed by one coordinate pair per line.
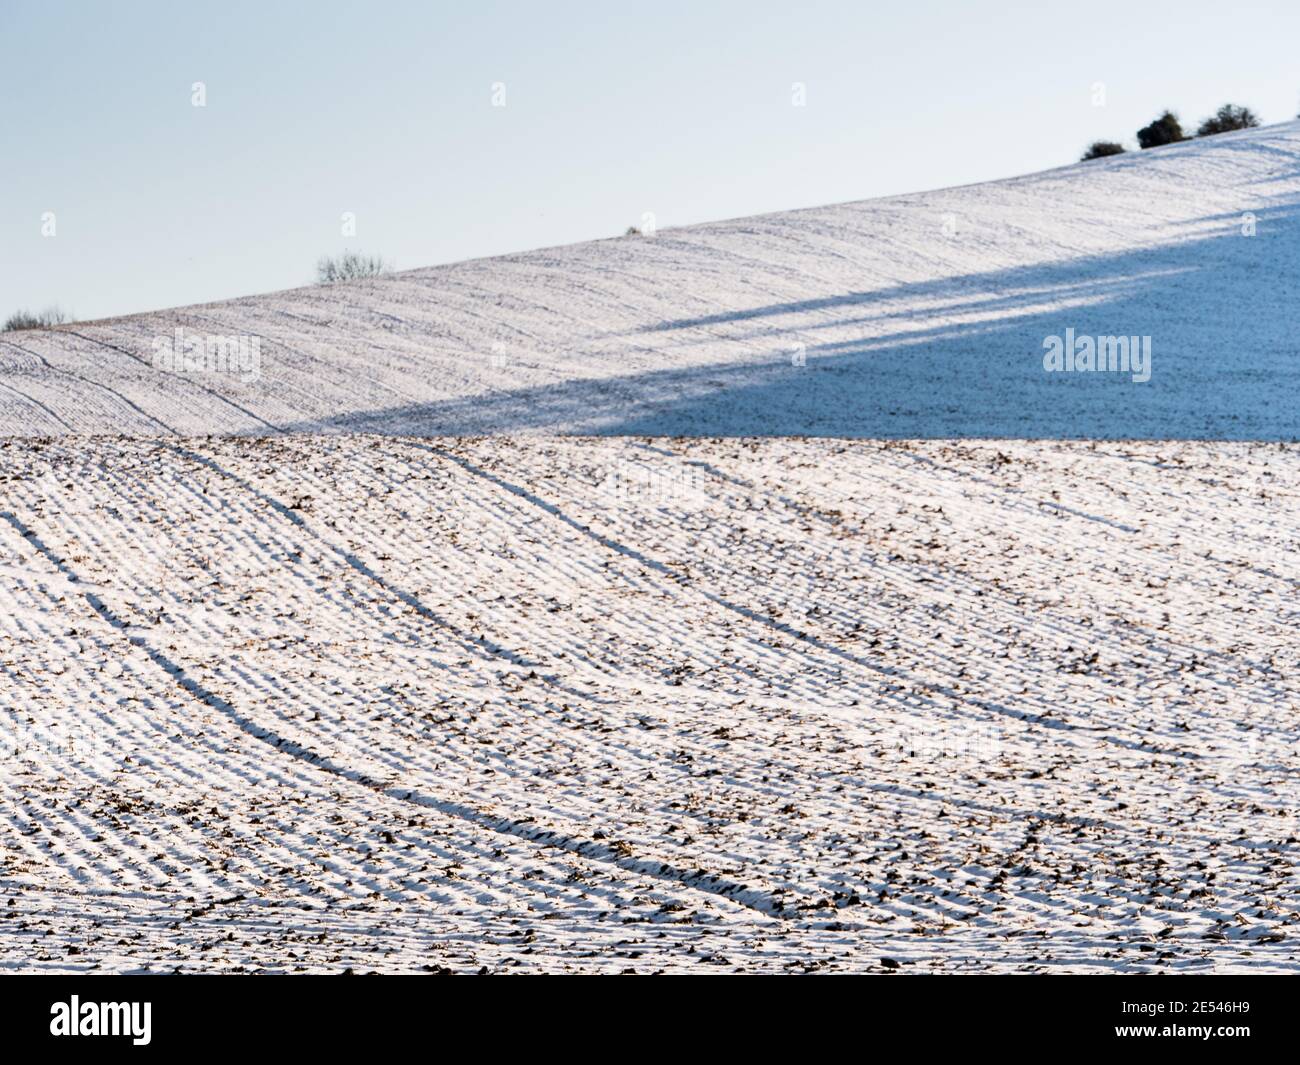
x,y
295,675
373,703
915,316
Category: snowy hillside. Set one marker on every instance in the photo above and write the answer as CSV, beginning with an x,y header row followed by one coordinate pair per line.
x,y
424,678
913,316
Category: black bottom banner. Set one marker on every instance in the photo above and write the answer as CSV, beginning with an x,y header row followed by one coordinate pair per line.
x,y
1228,1014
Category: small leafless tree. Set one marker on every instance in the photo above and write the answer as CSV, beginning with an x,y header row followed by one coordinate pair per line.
x,y
42,320
349,266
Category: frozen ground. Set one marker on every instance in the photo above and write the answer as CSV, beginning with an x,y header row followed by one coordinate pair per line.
x,y
918,316
384,704
769,670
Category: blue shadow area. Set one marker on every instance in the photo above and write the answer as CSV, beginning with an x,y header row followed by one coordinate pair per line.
x,y
1221,311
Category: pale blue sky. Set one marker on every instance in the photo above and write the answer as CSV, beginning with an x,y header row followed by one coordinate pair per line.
x,y
684,109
